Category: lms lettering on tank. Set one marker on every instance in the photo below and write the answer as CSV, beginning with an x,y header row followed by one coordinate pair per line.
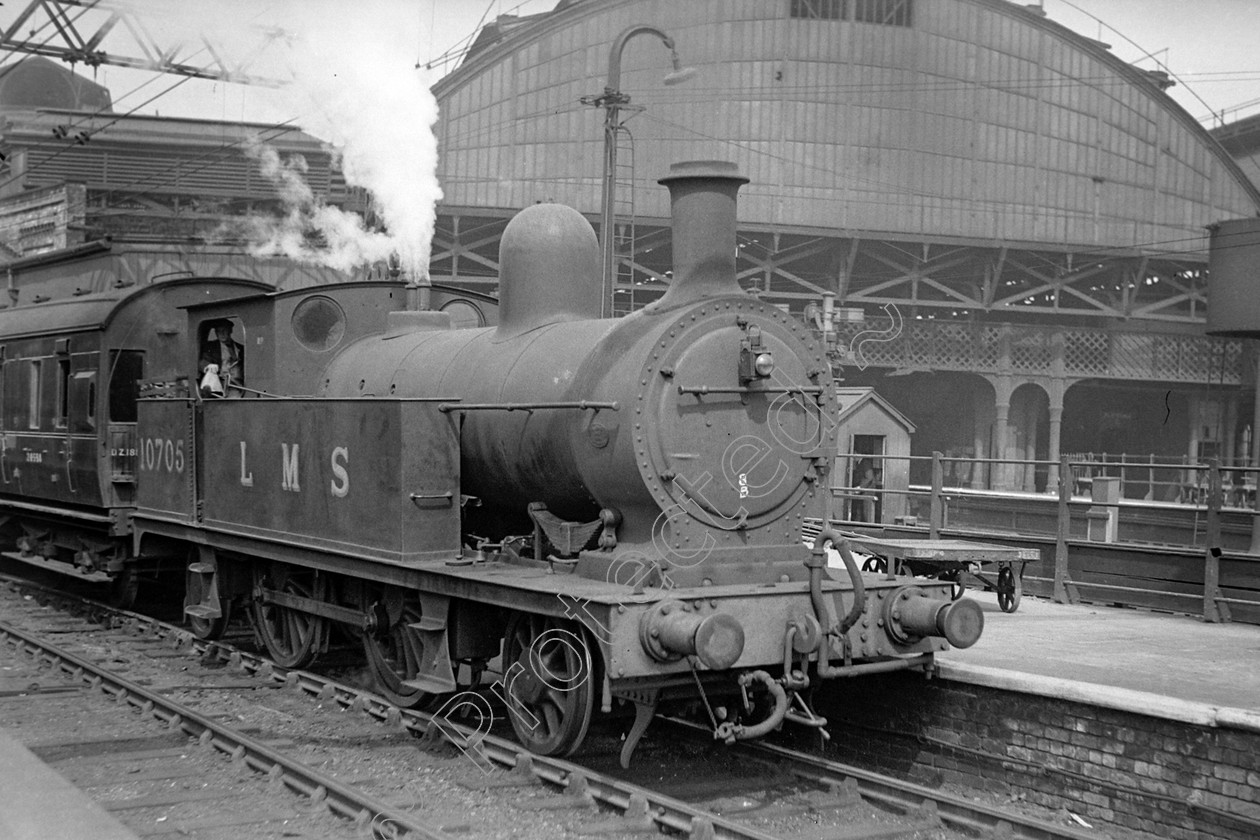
x,y
291,472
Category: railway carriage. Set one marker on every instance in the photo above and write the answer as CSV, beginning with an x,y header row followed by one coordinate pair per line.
x,y
71,371
69,374
603,509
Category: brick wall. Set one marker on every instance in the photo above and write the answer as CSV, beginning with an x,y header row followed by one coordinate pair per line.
x,y
1167,778
44,220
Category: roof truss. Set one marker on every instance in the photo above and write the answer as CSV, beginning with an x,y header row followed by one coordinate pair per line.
x,y
96,32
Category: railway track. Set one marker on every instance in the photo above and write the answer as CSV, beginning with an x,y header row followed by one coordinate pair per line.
x,y
704,791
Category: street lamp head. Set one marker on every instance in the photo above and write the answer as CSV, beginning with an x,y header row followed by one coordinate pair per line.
x,y
680,75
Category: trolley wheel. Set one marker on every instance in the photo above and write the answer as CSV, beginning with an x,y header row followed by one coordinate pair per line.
x,y
549,682
1009,589
293,638
875,564
395,650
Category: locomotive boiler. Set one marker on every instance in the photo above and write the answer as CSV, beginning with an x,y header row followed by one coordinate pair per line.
x,y
596,510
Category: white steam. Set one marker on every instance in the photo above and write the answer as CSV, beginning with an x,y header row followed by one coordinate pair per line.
x,y
355,86
346,245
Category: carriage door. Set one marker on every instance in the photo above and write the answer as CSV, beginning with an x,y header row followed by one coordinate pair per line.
x,y
126,369
4,420
61,414
82,422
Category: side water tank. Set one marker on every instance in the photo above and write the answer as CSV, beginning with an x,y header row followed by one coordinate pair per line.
x,y
1234,279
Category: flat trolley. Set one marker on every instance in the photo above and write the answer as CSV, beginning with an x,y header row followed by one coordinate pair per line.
x,y
995,568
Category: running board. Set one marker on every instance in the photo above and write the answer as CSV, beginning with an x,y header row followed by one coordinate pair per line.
x,y
59,566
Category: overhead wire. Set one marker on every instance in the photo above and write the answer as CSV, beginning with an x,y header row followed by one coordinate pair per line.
x,y
456,51
71,145
96,129
1138,46
776,89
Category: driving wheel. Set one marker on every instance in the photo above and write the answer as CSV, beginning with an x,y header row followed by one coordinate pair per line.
x,y
395,650
293,638
548,682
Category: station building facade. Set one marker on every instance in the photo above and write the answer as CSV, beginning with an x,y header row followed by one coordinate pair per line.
x,y
1012,222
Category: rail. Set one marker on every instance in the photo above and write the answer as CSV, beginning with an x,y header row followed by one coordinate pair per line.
x,y
646,811
1197,554
338,797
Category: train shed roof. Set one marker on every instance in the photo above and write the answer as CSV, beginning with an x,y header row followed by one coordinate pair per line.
x,y
964,120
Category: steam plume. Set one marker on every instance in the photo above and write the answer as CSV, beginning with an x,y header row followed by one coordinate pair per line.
x,y
354,85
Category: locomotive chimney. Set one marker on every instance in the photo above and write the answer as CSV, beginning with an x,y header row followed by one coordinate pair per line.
x,y
702,204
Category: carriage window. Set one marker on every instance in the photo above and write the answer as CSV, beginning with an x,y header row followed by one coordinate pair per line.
x,y
125,372
83,401
62,414
15,375
32,395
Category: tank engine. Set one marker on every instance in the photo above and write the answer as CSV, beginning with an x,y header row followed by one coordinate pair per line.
x,y
610,509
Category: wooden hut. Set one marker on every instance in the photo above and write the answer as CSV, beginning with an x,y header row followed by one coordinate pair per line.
x,y
872,468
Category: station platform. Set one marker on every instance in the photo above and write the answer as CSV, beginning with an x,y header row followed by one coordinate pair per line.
x,y
1169,666
40,804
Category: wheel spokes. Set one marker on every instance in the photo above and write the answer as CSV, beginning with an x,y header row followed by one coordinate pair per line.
x,y
397,657
292,637
553,697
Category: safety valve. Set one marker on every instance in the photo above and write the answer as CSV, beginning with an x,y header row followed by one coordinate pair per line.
x,y
755,361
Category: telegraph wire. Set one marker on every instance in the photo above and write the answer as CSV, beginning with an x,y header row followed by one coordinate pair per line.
x,y
1146,53
884,186
71,145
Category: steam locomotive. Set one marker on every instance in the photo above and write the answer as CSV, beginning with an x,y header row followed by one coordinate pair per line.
x,y
600,509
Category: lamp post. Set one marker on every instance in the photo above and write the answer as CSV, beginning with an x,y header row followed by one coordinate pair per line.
x,y
612,100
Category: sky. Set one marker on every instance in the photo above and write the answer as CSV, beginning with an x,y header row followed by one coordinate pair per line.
x,y
422,31
1208,45
361,75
